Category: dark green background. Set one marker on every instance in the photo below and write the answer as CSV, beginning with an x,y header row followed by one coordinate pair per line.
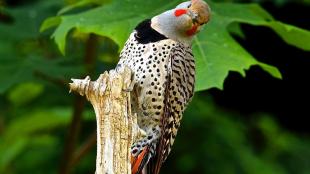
x,y
256,125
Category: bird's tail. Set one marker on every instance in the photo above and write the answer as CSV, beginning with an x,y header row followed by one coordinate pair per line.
x,y
140,161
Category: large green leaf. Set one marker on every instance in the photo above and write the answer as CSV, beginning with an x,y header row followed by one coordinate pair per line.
x,y
215,50
80,3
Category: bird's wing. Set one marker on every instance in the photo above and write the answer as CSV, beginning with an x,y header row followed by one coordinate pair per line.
x,y
179,89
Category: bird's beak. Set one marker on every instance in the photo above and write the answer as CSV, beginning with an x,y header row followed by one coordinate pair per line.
x,y
199,11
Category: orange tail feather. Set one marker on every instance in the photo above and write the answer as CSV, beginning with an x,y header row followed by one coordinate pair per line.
x,y
138,162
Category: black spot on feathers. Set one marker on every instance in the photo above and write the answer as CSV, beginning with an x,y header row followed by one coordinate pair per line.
x,y
146,34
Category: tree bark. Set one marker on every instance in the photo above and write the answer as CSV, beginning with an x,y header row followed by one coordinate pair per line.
x,y
117,127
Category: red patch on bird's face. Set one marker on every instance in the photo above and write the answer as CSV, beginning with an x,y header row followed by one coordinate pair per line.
x,y
180,12
192,31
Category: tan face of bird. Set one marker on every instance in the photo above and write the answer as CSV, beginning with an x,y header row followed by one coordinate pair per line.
x,y
182,22
202,10
192,18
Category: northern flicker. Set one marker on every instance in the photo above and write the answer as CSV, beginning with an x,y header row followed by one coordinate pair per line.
x,y
159,53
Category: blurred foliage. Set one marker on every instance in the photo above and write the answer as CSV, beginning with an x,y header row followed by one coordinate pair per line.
x,y
229,144
36,109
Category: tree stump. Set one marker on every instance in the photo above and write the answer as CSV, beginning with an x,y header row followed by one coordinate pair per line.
x,y
117,127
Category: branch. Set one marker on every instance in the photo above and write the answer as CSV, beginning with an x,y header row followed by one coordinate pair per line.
x,y
89,58
56,81
116,126
72,135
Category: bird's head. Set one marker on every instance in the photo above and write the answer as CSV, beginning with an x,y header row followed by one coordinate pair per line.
x,y
182,22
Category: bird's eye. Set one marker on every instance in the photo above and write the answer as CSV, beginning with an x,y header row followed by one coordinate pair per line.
x,y
189,5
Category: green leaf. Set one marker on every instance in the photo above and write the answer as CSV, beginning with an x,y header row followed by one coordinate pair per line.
x,y
215,50
271,69
80,3
292,35
28,91
235,29
255,15
50,22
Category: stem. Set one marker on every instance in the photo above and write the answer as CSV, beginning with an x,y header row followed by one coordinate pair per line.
x,y
91,53
56,81
89,59
72,135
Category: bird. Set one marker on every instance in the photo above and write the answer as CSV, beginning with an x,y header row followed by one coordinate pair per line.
x,y
159,54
